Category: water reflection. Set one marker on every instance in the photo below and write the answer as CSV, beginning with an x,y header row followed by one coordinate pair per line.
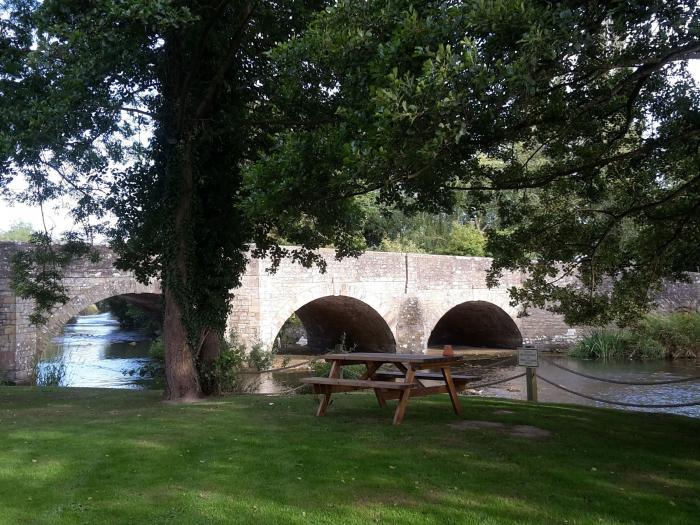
x,y
96,351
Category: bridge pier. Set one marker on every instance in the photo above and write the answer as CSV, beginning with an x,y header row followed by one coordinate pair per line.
x,y
17,335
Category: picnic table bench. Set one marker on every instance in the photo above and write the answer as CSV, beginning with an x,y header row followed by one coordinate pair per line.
x,y
402,383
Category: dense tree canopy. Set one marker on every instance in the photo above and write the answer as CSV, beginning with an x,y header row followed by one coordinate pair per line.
x,y
200,126
145,112
583,111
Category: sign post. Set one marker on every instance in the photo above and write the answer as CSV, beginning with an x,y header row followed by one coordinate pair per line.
x,y
529,358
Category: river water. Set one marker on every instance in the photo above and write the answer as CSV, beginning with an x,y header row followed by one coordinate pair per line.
x,y
96,352
633,371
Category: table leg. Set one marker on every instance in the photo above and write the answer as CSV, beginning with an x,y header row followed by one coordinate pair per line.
x,y
380,398
323,406
447,375
403,368
372,367
403,400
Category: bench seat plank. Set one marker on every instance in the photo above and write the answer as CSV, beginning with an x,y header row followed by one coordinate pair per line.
x,y
457,378
357,383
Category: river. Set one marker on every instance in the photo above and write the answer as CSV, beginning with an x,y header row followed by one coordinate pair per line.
x,y
96,352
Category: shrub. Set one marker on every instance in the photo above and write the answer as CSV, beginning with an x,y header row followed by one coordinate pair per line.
x,y
50,374
654,337
678,333
322,369
222,374
259,358
600,345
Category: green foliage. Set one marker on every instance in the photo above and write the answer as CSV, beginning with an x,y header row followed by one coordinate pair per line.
x,y
20,231
465,239
50,373
130,316
426,233
157,350
678,333
655,336
607,345
222,375
322,369
289,334
259,358
575,122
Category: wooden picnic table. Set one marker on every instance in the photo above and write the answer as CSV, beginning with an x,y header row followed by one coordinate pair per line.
x,y
405,382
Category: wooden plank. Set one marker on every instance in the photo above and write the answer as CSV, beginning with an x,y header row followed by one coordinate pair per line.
x,y
417,392
447,374
403,401
323,405
359,383
444,361
380,397
433,376
371,369
391,358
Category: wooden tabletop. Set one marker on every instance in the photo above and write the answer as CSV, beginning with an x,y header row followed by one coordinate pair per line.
x,y
392,358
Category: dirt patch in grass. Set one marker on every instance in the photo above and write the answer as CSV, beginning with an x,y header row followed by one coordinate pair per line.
x,y
523,431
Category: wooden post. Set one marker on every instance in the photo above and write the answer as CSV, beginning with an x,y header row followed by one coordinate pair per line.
x,y
531,380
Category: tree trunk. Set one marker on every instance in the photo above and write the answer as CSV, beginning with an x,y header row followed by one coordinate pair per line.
x,y
180,370
211,347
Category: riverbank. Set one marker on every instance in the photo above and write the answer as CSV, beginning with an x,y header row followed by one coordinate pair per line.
x,y
117,456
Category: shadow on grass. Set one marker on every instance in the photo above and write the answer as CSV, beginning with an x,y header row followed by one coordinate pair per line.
x,y
92,456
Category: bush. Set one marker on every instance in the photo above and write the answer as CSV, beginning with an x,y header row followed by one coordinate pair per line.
x,y
50,374
155,369
656,336
259,358
222,374
322,369
678,333
600,345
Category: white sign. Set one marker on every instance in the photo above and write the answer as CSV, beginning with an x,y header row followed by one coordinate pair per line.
x,y
528,357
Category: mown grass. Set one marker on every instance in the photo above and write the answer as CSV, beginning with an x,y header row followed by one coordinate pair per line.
x,y
656,336
99,456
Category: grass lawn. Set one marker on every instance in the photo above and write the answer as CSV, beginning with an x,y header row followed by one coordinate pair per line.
x,y
108,456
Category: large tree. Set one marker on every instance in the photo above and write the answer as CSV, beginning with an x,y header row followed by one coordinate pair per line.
x,y
578,122
144,112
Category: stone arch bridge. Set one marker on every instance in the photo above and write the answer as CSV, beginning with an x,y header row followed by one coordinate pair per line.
x,y
400,302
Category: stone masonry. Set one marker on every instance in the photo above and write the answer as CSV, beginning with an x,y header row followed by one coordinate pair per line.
x,y
379,301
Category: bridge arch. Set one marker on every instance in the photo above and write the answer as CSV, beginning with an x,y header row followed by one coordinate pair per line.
x,y
328,319
83,297
476,323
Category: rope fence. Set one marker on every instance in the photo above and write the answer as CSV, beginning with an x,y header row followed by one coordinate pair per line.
x,y
619,403
493,364
620,382
282,368
483,385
